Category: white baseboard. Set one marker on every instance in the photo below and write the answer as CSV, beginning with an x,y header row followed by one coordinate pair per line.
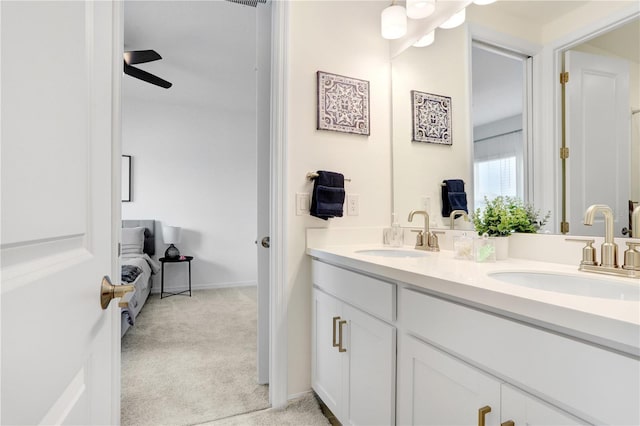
x,y
210,286
299,395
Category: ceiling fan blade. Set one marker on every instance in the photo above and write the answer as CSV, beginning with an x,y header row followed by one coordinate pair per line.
x,y
141,56
145,76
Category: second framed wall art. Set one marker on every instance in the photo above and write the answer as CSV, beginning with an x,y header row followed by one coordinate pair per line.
x,y
431,118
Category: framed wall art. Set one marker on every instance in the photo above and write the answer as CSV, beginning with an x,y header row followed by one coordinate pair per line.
x,y
343,104
126,178
431,118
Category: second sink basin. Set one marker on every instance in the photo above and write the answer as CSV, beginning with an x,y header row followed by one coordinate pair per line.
x,y
392,252
572,284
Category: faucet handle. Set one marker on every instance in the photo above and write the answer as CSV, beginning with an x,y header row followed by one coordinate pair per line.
x,y
419,237
632,257
588,251
432,240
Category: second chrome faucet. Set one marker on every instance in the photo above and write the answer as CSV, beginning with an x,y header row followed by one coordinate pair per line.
x,y
426,240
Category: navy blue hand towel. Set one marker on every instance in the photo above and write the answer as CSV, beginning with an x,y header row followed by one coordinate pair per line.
x,y
328,195
453,196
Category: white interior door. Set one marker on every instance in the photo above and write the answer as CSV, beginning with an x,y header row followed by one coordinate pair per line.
x,y
598,137
263,76
59,363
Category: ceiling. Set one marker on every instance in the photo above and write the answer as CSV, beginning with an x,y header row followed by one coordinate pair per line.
x,y
540,12
208,49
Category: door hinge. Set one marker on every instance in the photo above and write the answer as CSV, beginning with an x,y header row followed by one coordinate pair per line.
x,y
564,153
564,227
564,77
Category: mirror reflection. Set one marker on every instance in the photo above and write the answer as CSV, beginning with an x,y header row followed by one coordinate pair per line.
x,y
514,122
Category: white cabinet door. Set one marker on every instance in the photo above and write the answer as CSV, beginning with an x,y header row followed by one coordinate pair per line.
x,y
435,388
60,349
370,346
327,363
524,409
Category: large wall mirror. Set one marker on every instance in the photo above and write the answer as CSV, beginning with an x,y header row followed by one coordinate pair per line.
x,y
506,129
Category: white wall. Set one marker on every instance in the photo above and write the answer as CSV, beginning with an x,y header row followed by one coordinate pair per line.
x,y
419,168
194,159
341,37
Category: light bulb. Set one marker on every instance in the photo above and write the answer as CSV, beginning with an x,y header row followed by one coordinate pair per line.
x,y
483,2
425,40
393,22
455,20
419,9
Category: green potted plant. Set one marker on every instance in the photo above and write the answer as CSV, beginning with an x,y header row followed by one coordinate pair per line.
x,y
503,216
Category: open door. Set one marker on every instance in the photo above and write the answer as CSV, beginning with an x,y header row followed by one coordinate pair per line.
x,y
263,76
59,355
598,138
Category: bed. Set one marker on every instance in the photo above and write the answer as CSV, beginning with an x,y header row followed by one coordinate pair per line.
x,y
138,267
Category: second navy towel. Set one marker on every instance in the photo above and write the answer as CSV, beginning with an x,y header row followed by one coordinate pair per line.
x,y
453,196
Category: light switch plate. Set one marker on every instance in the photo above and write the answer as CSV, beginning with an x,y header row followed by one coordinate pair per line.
x,y
303,203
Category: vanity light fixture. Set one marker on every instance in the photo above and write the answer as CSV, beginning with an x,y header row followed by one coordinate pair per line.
x,y
425,40
419,9
455,20
393,22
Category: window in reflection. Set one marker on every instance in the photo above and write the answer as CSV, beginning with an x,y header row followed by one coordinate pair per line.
x,y
500,116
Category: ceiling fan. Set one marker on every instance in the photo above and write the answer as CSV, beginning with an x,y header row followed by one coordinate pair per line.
x,y
140,57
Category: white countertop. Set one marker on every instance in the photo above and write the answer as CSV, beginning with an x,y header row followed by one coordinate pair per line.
x,y
612,323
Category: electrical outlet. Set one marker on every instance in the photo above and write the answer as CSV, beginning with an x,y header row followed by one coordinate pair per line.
x,y
303,203
426,204
353,204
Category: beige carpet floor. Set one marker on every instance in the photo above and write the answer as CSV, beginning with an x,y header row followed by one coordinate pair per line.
x,y
191,360
303,411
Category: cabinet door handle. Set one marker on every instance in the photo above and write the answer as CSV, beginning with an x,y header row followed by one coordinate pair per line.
x,y
508,423
335,342
482,412
340,324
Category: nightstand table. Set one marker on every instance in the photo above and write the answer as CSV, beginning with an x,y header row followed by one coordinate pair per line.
x,y
164,260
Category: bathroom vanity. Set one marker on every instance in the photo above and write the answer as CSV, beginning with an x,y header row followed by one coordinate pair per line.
x,y
405,338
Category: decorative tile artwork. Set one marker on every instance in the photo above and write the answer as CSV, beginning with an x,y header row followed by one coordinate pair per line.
x,y
343,104
431,118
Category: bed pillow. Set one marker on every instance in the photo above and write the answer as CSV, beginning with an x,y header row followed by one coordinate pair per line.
x,y
132,242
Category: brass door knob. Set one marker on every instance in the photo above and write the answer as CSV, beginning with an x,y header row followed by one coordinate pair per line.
x,y
109,291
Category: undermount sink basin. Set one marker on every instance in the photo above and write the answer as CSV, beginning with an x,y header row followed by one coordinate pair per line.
x,y
392,253
597,287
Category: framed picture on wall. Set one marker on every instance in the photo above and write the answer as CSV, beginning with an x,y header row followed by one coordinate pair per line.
x,y
343,104
126,178
431,118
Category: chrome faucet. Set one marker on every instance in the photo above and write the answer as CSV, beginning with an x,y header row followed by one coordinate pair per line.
x,y
452,217
426,240
609,249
